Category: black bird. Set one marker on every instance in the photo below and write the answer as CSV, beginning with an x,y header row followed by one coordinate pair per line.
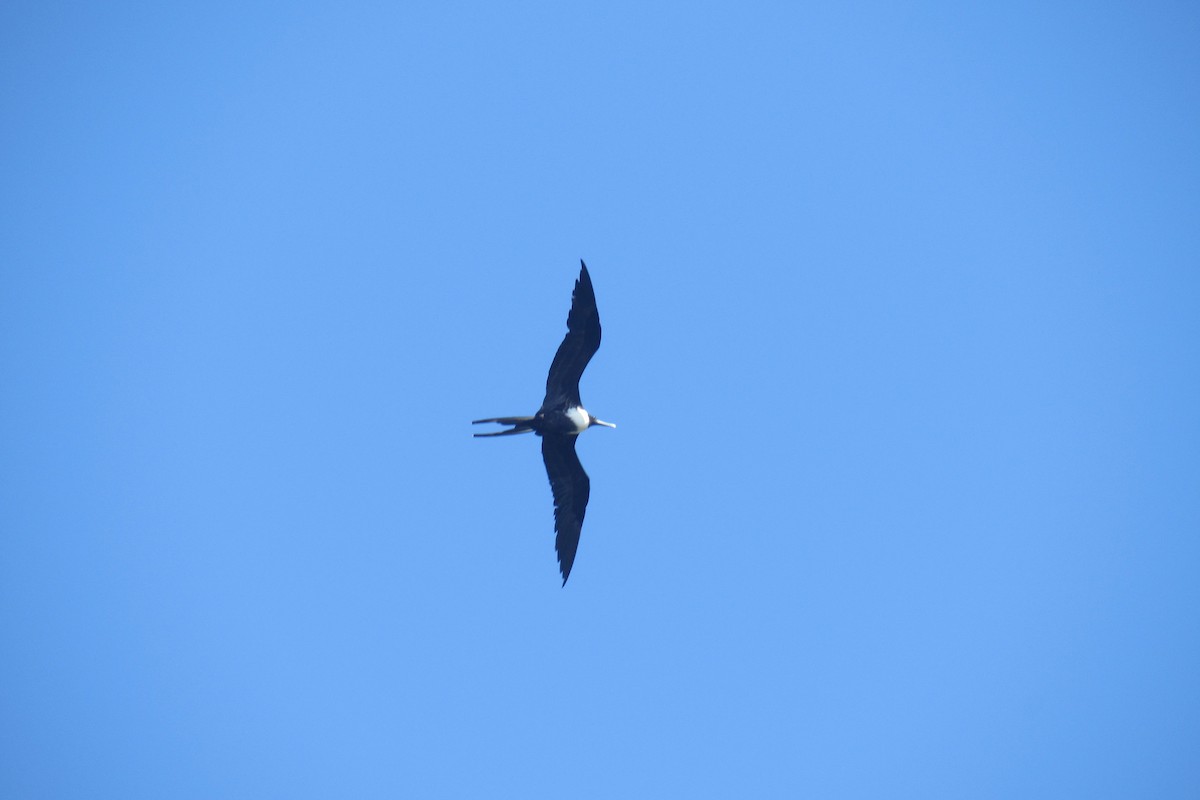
x,y
562,418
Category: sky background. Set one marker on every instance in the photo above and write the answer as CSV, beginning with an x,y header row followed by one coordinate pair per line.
x,y
901,316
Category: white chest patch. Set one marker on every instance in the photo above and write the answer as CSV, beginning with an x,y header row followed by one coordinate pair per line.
x,y
579,418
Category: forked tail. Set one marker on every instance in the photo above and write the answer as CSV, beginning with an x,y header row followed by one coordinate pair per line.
x,y
520,425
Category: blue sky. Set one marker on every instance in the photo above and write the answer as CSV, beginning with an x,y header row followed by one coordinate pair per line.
x,y
901,336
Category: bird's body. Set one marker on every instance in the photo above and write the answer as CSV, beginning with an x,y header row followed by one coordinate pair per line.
x,y
562,418
578,418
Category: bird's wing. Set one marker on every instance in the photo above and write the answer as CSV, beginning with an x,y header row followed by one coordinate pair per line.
x,y
577,348
571,489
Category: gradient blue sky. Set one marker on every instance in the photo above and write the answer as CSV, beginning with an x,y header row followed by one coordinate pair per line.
x,y
902,334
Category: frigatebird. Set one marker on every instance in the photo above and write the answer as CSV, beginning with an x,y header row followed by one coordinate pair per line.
x,y
562,418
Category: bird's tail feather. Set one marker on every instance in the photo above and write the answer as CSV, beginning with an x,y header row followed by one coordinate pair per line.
x,y
520,425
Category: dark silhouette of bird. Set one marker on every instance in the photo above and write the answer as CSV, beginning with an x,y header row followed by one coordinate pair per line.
x,y
562,418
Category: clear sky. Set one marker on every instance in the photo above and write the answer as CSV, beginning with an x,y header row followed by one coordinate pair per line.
x,y
901,310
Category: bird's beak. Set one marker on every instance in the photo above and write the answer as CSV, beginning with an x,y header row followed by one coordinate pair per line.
x,y
602,422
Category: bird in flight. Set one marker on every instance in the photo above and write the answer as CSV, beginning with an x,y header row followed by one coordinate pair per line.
x,y
562,418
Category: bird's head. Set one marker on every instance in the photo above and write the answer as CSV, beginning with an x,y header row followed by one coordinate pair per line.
x,y
593,421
